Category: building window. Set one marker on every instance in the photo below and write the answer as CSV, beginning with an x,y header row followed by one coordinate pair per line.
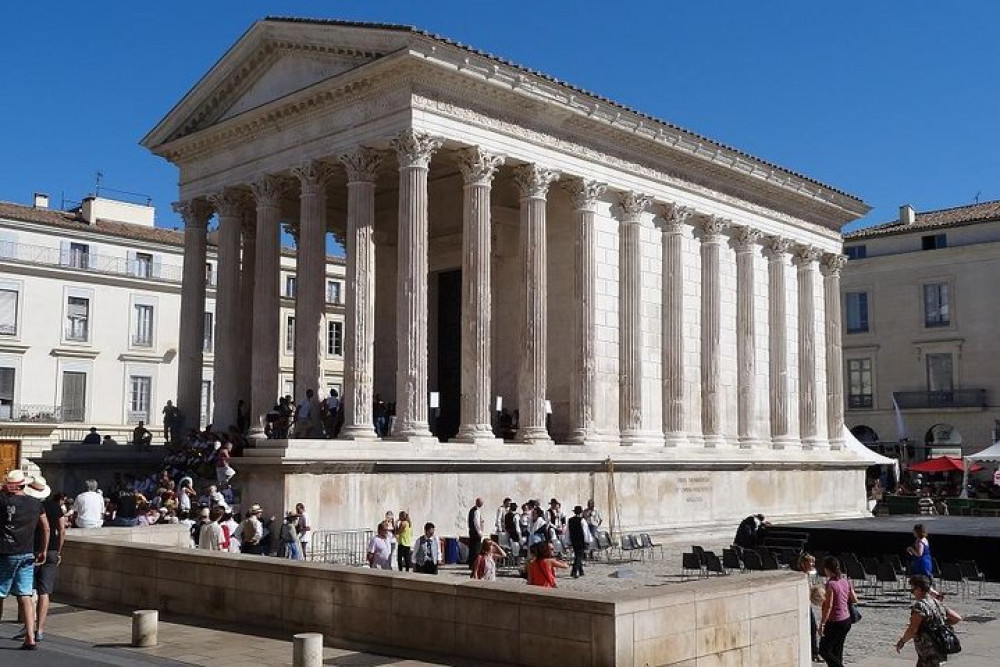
x,y
209,274
856,305
208,335
78,319
940,377
856,251
290,335
934,241
140,395
74,396
936,305
142,334
859,384
291,284
6,393
143,265
8,312
333,291
206,402
334,339
79,255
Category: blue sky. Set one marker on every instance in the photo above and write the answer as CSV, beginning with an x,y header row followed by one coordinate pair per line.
x,y
896,106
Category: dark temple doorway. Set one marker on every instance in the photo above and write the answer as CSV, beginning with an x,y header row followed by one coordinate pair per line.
x,y
449,353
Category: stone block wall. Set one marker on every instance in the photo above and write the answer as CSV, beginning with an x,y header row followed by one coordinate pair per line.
x,y
753,619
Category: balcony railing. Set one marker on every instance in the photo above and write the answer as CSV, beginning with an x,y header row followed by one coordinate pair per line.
x,y
90,262
78,334
956,398
142,340
43,414
859,401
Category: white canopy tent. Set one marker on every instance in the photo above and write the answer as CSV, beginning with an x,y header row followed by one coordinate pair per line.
x,y
990,454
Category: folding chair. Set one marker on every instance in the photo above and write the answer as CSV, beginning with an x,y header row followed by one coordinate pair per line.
x,y
971,573
886,574
713,564
648,543
752,560
952,573
690,562
731,560
769,561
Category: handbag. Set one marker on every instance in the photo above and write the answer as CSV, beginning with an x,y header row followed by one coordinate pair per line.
x,y
942,636
853,611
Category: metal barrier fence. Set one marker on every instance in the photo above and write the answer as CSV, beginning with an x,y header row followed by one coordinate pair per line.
x,y
340,547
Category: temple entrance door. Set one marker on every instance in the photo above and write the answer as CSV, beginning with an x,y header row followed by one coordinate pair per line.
x,y
449,353
10,455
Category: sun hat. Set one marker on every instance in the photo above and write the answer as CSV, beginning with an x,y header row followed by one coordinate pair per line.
x,y
255,509
16,480
37,488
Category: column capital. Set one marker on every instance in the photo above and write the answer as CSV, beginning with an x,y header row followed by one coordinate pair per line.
x,y
777,247
806,256
533,180
631,205
362,164
194,212
414,149
268,189
833,263
478,166
746,237
712,227
231,202
584,193
674,217
313,176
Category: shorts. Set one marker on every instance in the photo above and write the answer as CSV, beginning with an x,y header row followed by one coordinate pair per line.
x,y
45,575
17,575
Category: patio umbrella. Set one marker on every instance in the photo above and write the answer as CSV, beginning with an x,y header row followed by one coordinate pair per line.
x,y
942,464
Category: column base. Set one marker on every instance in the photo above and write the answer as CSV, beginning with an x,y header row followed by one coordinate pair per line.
x,y
358,432
477,434
782,441
713,441
533,435
678,439
837,445
810,443
256,433
749,442
629,438
412,430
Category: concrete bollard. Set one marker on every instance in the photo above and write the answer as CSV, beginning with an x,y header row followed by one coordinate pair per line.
x,y
307,650
144,625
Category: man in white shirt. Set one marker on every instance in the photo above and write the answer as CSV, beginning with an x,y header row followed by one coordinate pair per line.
x,y
252,532
211,537
89,507
380,550
498,525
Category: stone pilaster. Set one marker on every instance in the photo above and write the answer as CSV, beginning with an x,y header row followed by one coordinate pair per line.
x,y
231,206
190,356
478,168
747,249
631,206
675,222
267,192
248,261
414,151
533,182
832,264
777,323
712,228
584,195
310,269
806,259
359,332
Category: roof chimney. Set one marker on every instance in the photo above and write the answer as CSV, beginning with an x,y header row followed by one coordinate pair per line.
x,y
41,200
907,215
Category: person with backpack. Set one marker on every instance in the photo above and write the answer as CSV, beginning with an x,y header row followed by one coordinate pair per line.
x,y
930,626
252,532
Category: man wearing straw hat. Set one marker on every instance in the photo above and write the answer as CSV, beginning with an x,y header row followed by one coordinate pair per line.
x,y
54,508
20,517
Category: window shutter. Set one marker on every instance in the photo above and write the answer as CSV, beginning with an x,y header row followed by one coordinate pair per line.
x,y
8,245
7,384
8,312
157,267
64,253
91,257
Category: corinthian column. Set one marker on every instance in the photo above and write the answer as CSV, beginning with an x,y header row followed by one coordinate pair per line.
x,y
248,263
231,206
478,168
806,259
675,219
192,322
832,264
267,191
359,336
777,324
533,182
310,267
746,329
712,228
631,206
584,195
414,151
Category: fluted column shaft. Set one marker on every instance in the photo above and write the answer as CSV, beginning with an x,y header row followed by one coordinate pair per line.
x,y
192,321
805,259
248,267
674,417
359,337
832,264
478,168
630,316
711,330
230,206
414,151
777,313
310,267
267,192
746,329
533,182
584,195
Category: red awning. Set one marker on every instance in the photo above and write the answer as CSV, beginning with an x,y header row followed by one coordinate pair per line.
x,y
943,464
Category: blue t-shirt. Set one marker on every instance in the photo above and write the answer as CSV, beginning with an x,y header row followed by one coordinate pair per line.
x,y
923,564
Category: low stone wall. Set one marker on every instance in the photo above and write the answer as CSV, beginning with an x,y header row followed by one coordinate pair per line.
x,y
753,619
176,535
